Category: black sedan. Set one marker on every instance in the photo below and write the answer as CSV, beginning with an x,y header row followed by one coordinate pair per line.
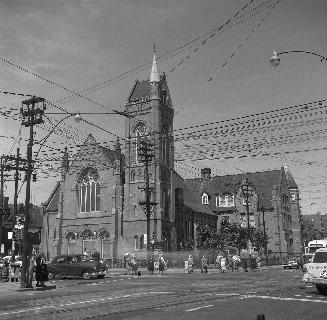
x,y
77,265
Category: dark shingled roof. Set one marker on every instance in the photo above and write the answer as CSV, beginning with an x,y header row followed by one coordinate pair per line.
x,y
52,203
140,90
263,183
290,181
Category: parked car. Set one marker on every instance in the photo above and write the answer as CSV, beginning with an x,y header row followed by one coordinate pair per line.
x,y
16,263
76,265
290,264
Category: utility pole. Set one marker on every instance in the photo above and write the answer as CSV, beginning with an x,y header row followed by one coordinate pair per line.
x,y
262,209
16,194
32,115
146,155
2,198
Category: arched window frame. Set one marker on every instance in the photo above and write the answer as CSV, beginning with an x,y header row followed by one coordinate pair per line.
x,y
89,191
205,199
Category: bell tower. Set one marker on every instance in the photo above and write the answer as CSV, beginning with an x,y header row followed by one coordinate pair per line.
x,y
150,116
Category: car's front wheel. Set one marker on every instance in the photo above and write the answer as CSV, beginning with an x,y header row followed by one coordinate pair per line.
x,y
51,275
101,277
86,275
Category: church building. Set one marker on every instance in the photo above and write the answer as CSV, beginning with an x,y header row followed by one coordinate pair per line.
x,y
122,200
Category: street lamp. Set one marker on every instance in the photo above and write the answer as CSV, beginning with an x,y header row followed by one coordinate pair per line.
x,y
275,58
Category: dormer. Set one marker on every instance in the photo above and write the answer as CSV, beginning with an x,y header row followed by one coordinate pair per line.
x,y
226,200
205,199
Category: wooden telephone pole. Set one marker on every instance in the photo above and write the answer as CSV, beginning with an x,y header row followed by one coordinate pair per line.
x,y
32,114
146,155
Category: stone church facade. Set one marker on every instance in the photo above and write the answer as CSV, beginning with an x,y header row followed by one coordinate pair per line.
x,y
96,205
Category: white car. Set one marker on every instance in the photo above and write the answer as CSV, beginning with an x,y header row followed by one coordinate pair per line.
x,y
291,264
17,263
316,270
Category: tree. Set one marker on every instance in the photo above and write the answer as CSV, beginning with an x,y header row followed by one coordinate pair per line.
x,y
312,232
207,238
233,235
258,238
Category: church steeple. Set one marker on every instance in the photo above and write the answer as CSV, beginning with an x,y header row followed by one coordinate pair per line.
x,y
154,77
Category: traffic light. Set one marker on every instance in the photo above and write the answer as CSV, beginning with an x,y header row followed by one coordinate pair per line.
x,y
34,177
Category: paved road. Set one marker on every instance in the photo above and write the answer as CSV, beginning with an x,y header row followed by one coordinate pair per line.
x,y
276,293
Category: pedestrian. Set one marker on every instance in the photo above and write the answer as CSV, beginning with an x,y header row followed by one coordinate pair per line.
x,y
161,262
258,261
38,271
31,268
300,262
223,266
219,256
44,274
204,265
190,264
85,252
151,265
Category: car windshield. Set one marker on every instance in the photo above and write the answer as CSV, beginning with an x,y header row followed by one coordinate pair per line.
x,y
320,257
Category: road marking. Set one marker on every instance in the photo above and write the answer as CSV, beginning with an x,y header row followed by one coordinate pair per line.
x,y
226,294
194,309
286,299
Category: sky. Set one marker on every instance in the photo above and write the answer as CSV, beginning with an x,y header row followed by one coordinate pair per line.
x,y
52,49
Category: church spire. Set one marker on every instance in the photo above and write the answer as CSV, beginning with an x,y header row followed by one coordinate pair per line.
x,y
154,71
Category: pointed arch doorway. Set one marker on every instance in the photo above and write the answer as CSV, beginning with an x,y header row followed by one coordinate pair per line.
x,y
88,241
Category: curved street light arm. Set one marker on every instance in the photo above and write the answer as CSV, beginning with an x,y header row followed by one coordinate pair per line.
x,y
303,51
275,59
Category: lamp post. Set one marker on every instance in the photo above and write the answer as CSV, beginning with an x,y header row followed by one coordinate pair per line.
x,y
247,191
275,61
275,58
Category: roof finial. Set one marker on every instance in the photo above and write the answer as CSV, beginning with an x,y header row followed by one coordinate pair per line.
x,y
154,71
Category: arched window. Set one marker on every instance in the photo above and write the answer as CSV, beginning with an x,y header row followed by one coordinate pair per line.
x,y
205,199
136,242
132,179
89,191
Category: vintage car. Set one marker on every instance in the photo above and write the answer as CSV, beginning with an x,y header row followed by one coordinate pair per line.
x,y
316,270
290,264
76,265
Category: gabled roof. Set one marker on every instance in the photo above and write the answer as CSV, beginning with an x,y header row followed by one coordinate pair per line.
x,y
51,204
91,144
290,181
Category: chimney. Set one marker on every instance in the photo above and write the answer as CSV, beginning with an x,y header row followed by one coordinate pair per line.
x,y
205,173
